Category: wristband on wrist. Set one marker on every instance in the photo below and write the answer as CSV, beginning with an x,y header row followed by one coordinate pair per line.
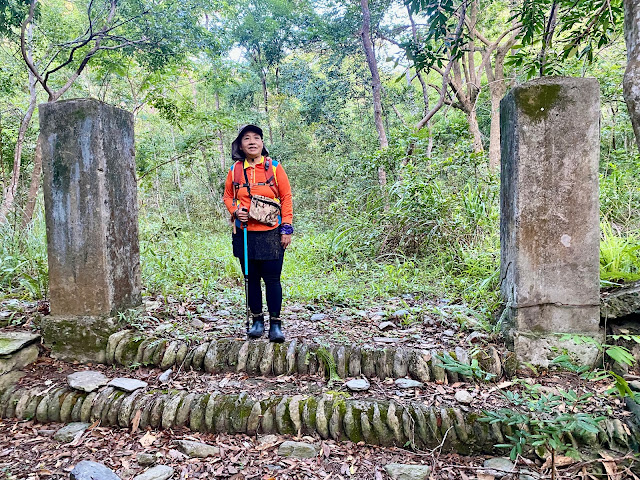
x,y
286,229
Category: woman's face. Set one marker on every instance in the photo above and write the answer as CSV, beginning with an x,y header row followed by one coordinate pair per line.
x,y
251,144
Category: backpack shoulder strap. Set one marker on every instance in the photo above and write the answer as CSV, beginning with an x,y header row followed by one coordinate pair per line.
x,y
270,176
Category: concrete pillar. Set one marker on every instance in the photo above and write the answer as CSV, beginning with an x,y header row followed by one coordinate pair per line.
x,y
549,226
92,222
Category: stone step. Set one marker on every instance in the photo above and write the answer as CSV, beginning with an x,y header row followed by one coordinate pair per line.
x,y
130,348
373,421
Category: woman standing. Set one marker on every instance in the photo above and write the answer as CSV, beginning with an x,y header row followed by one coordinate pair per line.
x,y
258,196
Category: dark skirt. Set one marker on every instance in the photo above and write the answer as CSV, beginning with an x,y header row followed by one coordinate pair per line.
x,y
264,245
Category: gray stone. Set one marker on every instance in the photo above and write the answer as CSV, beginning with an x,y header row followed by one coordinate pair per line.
x,y
621,302
69,432
386,326
501,465
196,449
297,450
19,359
8,379
87,470
91,207
74,338
268,439
223,313
550,224
317,317
528,475
635,385
127,384
161,472
401,314
166,376
196,323
464,397
399,471
87,380
11,342
358,385
408,383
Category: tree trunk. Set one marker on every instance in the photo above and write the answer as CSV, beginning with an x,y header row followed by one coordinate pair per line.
x,y
631,83
474,128
497,89
11,190
376,84
36,175
220,139
265,93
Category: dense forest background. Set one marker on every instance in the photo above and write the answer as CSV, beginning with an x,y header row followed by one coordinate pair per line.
x,y
385,116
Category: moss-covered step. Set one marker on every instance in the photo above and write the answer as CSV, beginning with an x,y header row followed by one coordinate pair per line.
x,y
129,348
373,421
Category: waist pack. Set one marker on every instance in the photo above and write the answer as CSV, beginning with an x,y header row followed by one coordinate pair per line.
x,y
264,210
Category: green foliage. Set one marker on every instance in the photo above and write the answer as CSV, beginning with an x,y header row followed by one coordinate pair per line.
x,y
23,261
544,422
326,357
619,255
473,370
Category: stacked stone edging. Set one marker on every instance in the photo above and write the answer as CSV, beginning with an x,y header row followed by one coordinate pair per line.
x,y
376,422
129,348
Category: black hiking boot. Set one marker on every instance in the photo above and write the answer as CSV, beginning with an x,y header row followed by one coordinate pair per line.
x,y
275,330
257,329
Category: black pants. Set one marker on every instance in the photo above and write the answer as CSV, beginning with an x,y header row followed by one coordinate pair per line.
x,y
269,271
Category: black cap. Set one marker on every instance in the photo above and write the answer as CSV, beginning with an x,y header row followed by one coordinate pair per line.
x,y
236,151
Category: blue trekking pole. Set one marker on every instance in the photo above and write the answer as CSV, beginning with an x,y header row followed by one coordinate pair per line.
x,y
246,274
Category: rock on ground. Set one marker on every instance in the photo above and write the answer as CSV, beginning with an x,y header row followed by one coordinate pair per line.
x,y
197,449
68,433
358,385
161,472
87,470
87,380
297,450
399,471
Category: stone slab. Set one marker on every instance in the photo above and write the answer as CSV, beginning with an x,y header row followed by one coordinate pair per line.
x,y
11,342
19,360
82,339
87,380
127,384
540,349
91,207
549,226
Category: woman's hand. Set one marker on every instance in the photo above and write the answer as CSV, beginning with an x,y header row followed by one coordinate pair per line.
x,y
285,240
242,214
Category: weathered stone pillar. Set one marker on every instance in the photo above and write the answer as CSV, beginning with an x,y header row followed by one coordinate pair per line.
x,y
92,223
549,227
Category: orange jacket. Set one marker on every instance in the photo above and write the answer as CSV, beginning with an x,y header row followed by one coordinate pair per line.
x,y
258,175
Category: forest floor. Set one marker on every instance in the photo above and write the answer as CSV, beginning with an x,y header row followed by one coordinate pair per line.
x,y
28,449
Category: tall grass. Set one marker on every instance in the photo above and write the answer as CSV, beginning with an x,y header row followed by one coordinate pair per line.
x,y
23,260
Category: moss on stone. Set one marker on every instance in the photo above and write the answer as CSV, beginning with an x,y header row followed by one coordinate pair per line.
x,y
158,354
352,425
309,407
114,408
127,353
196,418
242,407
85,411
536,101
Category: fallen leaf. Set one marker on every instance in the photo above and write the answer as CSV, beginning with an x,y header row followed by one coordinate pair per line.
x,y
609,465
485,476
147,440
326,450
135,423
